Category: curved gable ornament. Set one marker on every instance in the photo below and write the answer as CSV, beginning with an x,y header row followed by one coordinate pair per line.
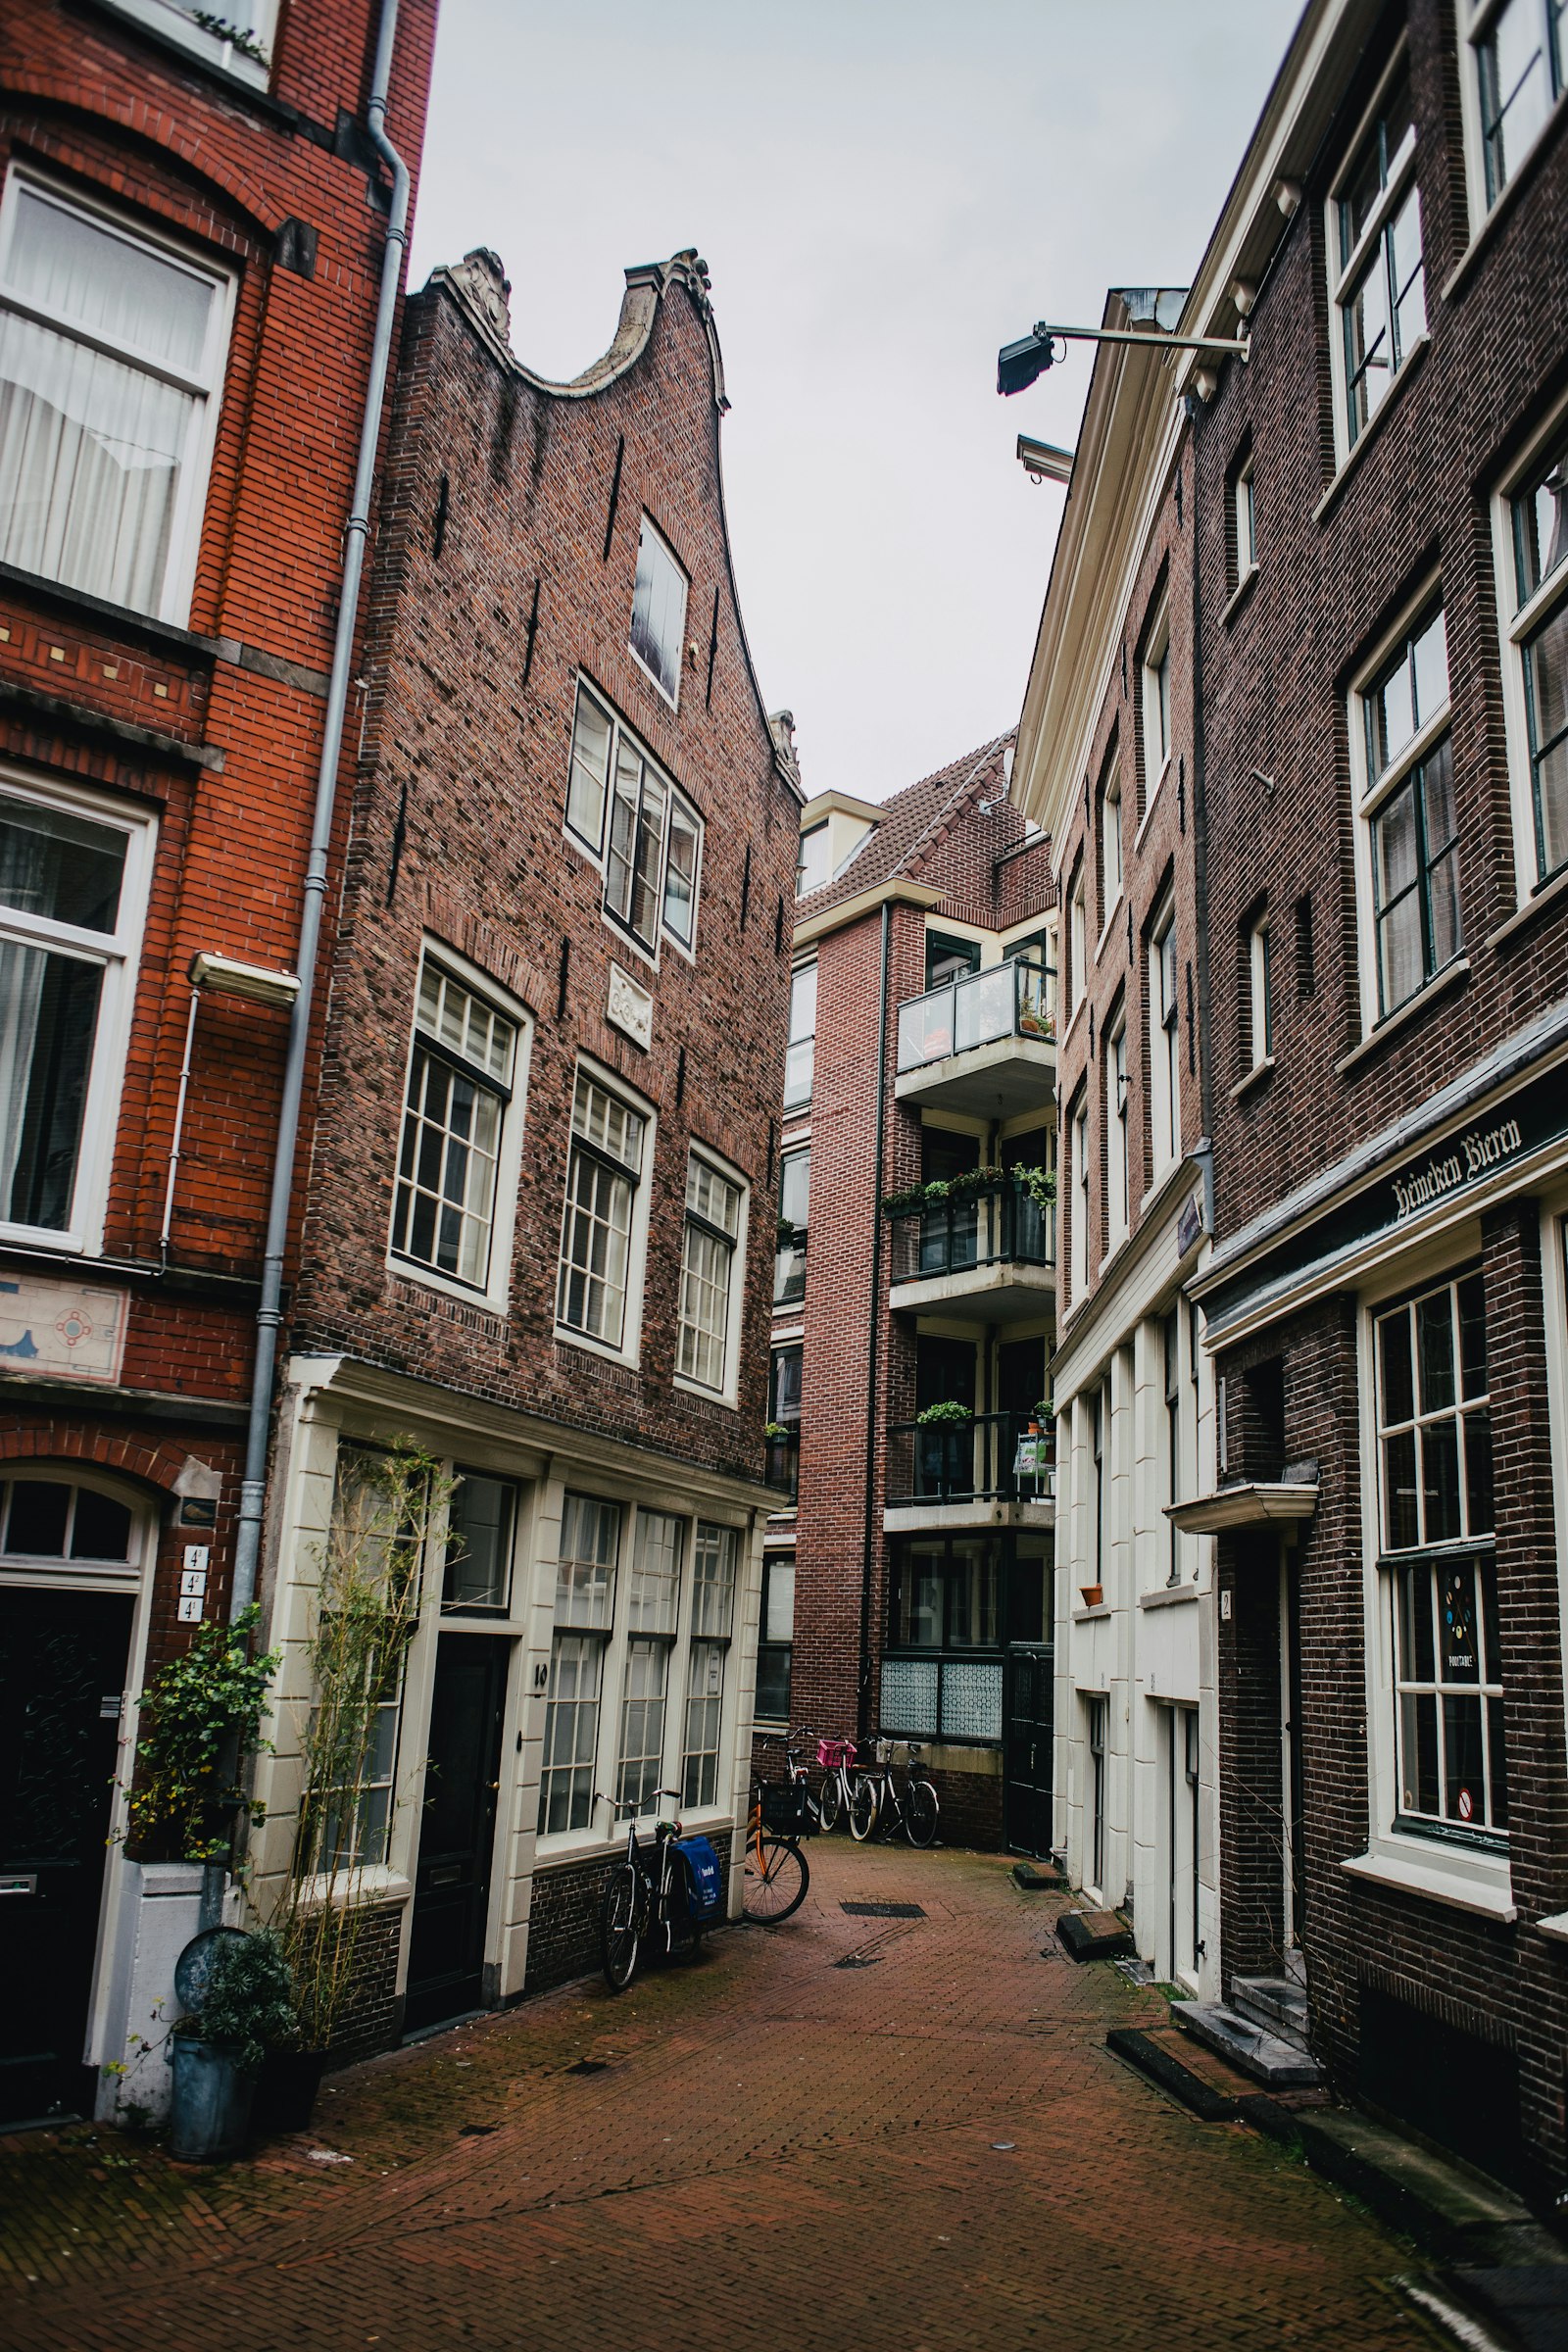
x,y
482,287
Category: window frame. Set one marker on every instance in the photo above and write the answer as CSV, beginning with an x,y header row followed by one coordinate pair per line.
x,y
496,1289
177,24
595,850
117,955
1110,813
1372,249
629,1348
1519,625
1372,795
816,832
1078,1173
1154,700
188,511
780,1557
1473,25
727,1392
1243,518
790,1289
649,529
1259,993
794,1099
1166,1039
1077,959
1116,1100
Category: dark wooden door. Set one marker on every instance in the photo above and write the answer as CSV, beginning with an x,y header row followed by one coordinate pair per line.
x,y
1028,1717
457,1829
61,1680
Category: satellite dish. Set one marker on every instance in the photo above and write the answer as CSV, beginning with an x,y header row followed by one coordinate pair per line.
x,y
193,1970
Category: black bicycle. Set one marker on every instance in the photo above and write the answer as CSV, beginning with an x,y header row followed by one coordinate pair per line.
x,y
648,1899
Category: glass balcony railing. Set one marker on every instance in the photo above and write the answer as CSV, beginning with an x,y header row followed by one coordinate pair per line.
x,y
991,1457
1017,999
1002,1226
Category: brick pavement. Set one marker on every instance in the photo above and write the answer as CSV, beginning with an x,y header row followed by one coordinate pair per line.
x,y
931,2151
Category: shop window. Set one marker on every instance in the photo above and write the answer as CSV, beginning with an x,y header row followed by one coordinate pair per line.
x,y
481,1521
1378,283
584,1612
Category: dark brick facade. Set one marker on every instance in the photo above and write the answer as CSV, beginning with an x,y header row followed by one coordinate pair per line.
x,y
564,1928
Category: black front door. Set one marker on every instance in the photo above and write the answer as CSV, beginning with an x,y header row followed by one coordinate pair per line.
x,y
1028,1714
457,1829
61,1678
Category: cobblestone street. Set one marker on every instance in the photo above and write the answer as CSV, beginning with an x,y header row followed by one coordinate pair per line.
x,y
849,2131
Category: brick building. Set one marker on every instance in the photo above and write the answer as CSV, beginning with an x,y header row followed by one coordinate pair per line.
x,y
193,231
1375,571
1105,765
546,1135
908,1585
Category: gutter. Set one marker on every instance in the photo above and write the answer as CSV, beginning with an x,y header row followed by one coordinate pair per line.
x,y
269,1314
863,1706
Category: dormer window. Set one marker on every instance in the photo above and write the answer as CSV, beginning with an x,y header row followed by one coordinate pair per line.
x,y
813,870
658,611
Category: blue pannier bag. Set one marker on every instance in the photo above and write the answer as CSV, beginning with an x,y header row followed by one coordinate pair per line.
x,y
703,1879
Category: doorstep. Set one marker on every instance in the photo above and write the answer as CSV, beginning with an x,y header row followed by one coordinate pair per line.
x,y
1094,1934
1269,2059
1443,2204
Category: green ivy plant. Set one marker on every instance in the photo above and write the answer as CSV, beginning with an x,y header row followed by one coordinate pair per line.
x,y
777,1432
947,1414
200,1722
971,1183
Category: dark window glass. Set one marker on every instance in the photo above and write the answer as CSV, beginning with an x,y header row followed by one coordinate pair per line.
x,y
480,1522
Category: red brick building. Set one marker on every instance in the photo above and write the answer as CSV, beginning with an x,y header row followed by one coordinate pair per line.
x,y
547,1136
193,231
909,1587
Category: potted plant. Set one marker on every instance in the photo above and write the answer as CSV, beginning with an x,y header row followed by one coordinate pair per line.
x,y
1092,1595
218,2050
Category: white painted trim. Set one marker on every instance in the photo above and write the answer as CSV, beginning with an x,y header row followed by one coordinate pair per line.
x,y
1410,1876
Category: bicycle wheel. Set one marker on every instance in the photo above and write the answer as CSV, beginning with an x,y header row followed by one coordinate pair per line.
x,y
621,1926
863,1807
920,1810
777,1876
829,1802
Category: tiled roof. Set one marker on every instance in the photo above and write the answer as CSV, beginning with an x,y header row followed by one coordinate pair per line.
x,y
914,821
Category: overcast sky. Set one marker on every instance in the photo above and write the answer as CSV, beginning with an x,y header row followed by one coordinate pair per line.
x,y
883,190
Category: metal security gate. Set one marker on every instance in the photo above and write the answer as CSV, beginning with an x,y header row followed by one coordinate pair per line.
x,y
1028,1688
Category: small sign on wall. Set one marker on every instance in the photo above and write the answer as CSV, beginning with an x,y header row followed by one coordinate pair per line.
x,y
631,1009
62,1330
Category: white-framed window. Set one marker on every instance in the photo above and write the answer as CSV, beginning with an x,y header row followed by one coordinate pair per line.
x,y
1155,714
658,610
1115,1134
653,1609
1377,282
1170,1356
1077,938
481,1526
604,1219
1260,994
73,879
811,865
48,1523
711,1247
800,1061
457,1152
794,1226
1410,824
1436,1522
1165,1030
715,1556
1245,514
1078,1269
111,348
1533,596
1517,68
775,1641
584,1614
1111,855
237,39
633,822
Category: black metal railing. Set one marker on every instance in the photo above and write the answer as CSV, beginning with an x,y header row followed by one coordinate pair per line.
x,y
1017,999
1003,1225
783,1469
991,1457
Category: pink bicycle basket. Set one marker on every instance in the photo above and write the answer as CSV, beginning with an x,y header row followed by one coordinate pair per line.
x,y
833,1752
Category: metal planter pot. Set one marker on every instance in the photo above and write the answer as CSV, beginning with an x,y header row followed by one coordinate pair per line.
x,y
211,2110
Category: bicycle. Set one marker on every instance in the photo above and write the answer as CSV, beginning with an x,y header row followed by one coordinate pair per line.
x,y
651,1891
777,1873
877,1801
838,1759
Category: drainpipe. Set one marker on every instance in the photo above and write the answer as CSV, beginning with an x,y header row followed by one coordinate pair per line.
x,y
862,1711
269,1316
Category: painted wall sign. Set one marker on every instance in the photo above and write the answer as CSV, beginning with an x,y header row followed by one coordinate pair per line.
x,y
631,1009
1481,1148
63,1330
1189,1225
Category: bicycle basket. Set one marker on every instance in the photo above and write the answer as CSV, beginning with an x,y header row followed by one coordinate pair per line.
x,y
831,1754
787,1808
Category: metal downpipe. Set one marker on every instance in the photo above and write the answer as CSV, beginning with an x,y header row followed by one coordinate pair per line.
x,y
269,1316
862,1708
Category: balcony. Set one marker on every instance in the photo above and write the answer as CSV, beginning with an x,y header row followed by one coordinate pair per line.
x,y
984,1046
992,1255
988,1471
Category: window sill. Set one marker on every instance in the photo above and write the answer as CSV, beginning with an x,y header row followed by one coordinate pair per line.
x,y
725,1401
1417,352
1254,1077
1088,1616
376,1884
591,1346
1167,1596
425,1277
1541,900
1239,595
1451,976
1073,1019
1151,804
1408,1875
1483,237
1554,1928
1110,919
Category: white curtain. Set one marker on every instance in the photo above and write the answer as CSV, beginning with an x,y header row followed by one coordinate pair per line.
x,y
21,979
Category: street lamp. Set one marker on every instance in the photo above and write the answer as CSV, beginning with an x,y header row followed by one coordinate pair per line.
x,y
1020,363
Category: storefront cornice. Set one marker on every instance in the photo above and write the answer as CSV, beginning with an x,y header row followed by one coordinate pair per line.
x,y
1253,1502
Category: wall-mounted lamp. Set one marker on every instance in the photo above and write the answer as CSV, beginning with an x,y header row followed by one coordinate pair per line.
x,y
1020,363
1043,461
